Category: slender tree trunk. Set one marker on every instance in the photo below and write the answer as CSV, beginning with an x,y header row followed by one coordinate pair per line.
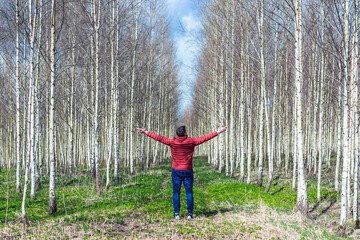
x,y
242,120
355,103
133,77
70,157
112,99
18,133
295,147
262,92
232,103
346,139
321,103
116,124
30,118
339,135
96,15
52,196
302,204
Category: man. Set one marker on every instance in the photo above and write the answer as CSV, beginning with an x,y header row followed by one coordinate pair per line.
x,y
182,150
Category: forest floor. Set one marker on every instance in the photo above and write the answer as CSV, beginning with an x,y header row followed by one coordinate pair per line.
x,y
141,208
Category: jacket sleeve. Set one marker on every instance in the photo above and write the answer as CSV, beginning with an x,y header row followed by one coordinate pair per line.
x,y
162,139
202,139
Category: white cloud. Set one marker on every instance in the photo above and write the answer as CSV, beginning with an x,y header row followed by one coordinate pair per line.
x,y
190,23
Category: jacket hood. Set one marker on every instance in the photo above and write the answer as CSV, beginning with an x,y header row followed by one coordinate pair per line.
x,y
181,139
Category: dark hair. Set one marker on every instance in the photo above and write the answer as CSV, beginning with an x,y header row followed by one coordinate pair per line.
x,y
180,131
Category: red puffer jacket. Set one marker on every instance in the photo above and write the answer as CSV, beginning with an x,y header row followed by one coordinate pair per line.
x,y
182,148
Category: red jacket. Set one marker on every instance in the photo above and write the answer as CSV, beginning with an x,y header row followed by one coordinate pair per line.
x,y
182,148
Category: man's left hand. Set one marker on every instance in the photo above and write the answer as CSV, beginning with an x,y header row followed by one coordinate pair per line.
x,y
221,130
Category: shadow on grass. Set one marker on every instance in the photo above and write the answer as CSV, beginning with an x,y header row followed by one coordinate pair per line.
x,y
331,202
323,211
278,191
214,212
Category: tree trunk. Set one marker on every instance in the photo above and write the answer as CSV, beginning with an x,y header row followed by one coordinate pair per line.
x,y
262,92
355,79
30,118
96,16
302,204
17,85
52,196
346,140
321,102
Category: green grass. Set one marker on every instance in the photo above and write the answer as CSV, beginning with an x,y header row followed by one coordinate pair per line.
x,y
77,196
147,197
224,191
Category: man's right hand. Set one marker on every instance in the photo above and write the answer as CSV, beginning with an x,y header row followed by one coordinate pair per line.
x,y
141,130
221,129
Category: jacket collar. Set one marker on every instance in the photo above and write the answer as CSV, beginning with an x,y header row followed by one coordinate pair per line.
x,y
181,139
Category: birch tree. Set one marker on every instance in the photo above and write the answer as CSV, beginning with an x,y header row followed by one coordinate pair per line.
x,y
355,88
30,113
17,77
52,195
302,204
346,140
262,90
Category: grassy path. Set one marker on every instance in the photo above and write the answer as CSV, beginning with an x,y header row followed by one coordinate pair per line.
x,y
141,208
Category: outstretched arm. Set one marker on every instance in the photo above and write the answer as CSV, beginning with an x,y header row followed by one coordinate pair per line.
x,y
155,136
202,139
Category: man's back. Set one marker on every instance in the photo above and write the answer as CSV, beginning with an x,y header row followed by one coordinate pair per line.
x,y
182,148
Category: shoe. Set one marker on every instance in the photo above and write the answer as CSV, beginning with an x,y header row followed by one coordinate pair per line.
x,y
177,216
190,217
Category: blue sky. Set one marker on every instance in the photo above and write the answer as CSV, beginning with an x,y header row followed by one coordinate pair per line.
x,y
185,26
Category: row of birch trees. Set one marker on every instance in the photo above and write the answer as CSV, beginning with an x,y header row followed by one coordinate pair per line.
x,y
283,75
76,79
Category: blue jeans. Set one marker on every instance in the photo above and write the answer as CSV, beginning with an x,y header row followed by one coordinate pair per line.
x,y
186,176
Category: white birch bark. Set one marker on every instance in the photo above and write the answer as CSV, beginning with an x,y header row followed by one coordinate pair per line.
x,y
232,103
221,138
302,200
271,149
346,140
249,150
133,77
242,119
112,99
71,112
36,123
339,136
37,146
115,106
17,85
30,118
355,78
262,91
295,146
321,111
52,196
96,17
268,146
24,115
